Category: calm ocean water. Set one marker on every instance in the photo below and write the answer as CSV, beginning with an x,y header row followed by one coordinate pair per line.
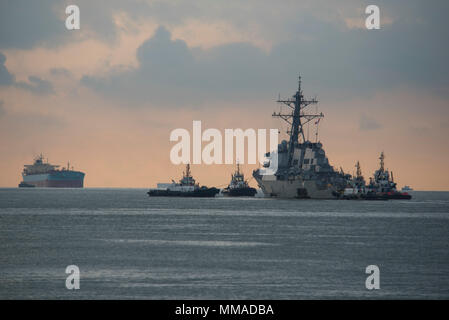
x,y
129,246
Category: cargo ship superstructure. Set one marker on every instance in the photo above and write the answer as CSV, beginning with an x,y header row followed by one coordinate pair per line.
x,y
45,175
303,170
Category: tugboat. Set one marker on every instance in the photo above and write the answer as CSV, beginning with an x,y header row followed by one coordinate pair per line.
x,y
356,186
239,186
187,187
406,188
382,185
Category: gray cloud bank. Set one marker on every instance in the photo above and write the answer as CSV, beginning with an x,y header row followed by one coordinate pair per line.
x,y
2,109
24,23
309,37
35,84
6,78
367,124
336,63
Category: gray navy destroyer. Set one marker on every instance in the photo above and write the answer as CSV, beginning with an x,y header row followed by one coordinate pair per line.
x,y
303,170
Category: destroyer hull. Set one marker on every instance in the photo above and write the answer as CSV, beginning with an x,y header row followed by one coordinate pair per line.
x,y
298,189
60,179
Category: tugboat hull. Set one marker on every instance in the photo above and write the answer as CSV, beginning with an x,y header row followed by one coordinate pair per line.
x,y
398,196
200,193
241,192
386,196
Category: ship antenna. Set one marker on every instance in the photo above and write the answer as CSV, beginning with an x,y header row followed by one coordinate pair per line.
x,y
297,118
317,123
308,129
188,170
359,169
382,157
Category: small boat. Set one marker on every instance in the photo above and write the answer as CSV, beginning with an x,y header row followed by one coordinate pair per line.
x,y
382,185
187,187
238,187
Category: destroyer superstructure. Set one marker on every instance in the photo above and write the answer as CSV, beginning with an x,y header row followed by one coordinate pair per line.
x,y
43,174
303,170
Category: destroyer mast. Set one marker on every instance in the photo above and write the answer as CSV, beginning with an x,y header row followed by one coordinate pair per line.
x,y
303,170
297,118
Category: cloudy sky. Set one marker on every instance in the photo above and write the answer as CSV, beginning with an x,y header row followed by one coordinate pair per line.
x,y
107,96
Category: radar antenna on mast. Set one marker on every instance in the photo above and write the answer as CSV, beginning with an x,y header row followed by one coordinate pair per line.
x,y
187,173
359,170
382,164
297,118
